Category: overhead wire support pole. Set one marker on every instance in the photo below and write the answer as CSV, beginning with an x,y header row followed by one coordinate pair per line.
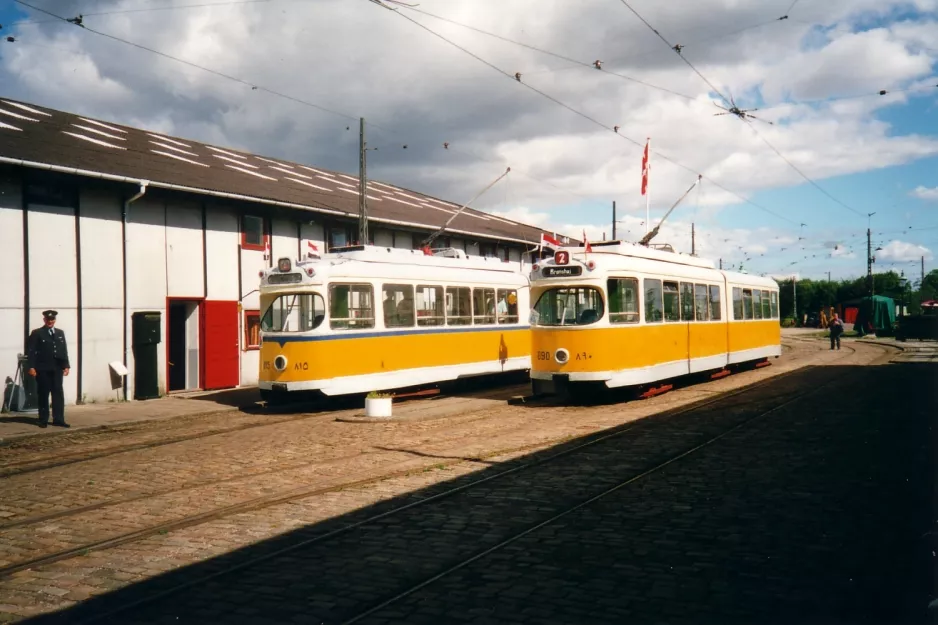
x,y
651,235
429,241
362,185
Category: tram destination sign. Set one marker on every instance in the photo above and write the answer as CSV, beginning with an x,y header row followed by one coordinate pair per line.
x,y
562,272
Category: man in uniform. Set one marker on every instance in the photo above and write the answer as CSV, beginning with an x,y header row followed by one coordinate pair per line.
x,y
48,362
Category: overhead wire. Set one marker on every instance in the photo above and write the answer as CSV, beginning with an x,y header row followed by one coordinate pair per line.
x,y
579,113
253,86
741,114
257,87
548,52
632,57
672,46
29,22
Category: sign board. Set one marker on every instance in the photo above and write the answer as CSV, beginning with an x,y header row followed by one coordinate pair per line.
x,y
562,272
562,258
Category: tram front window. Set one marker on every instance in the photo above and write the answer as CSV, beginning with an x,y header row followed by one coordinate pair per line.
x,y
295,312
568,306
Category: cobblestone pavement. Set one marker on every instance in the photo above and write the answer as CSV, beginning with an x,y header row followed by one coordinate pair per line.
x,y
340,577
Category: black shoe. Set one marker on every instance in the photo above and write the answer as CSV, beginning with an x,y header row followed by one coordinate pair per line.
x,y
43,424
62,425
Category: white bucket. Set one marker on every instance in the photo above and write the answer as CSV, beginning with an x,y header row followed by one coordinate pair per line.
x,y
378,406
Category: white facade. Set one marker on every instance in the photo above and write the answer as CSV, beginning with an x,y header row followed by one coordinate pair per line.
x,y
66,244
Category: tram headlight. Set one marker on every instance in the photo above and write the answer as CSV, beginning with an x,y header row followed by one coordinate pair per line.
x,y
562,356
280,362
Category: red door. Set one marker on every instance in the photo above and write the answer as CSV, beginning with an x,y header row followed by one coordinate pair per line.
x,y
221,344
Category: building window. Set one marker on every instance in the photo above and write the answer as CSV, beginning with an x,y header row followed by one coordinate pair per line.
x,y
487,250
252,329
254,233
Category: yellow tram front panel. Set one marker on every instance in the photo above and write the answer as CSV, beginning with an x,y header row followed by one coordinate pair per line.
x,y
594,350
323,357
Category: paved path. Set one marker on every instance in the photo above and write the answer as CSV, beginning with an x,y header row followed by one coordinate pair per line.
x,y
807,499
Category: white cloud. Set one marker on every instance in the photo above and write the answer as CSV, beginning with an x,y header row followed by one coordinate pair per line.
x,y
924,193
414,89
900,251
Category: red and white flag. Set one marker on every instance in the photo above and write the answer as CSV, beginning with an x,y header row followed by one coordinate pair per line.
x,y
646,167
549,241
311,250
586,243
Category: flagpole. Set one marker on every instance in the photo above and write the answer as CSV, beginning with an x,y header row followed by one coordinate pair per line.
x,y
648,191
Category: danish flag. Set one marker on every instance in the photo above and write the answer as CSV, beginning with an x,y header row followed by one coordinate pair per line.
x,y
586,243
646,166
311,249
549,241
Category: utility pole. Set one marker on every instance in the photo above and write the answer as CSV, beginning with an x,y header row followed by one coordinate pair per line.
x,y
613,220
794,296
693,240
721,264
869,256
362,185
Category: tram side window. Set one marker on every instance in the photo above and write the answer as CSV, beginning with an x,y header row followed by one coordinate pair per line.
x,y
623,300
351,306
766,307
737,303
747,303
672,302
458,306
757,304
573,306
483,306
715,303
295,312
687,301
507,307
653,308
429,301
774,305
700,302
398,305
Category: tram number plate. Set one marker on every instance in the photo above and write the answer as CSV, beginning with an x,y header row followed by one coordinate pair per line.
x,y
562,257
278,386
562,272
543,355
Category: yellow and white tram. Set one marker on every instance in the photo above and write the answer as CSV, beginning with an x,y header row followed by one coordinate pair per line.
x,y
371,318
626,315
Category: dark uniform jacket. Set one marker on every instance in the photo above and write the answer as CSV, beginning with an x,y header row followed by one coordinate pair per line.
x,y
47,352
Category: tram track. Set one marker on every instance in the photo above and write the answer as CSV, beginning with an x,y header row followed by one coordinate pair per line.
x,y
323,409
458,454
264,502
283,467
312,410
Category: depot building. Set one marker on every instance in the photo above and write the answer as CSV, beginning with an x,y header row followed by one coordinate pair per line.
x,y
119,228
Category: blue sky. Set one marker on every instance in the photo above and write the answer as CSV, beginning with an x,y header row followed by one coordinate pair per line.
x,y
871,152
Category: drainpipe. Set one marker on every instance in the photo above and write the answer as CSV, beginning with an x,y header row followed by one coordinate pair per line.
x,y
137,196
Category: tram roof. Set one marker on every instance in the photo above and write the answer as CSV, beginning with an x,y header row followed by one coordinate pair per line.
x,y
370,261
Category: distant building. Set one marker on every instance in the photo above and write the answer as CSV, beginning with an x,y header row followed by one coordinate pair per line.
x,y
100,221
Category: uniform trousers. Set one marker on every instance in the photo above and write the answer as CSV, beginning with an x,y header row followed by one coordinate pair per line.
x,y
50,382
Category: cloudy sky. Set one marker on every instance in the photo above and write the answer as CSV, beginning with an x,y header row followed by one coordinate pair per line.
x,y
816,75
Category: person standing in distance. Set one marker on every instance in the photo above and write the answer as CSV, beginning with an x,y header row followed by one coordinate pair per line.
x,y
47,356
